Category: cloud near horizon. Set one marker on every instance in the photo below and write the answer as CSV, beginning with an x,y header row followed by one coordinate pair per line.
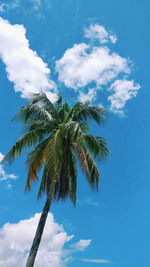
x,y
16,239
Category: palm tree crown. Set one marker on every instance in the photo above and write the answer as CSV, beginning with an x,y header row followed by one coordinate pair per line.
x,y
59,136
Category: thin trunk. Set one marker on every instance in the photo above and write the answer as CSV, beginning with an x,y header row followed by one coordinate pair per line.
x,y
40,229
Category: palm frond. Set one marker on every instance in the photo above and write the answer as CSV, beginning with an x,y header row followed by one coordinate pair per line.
x,y
79,151
62,186
59,103
83,112
87,164
97,146
41,126
73,178
74,130
54,154
42,100
35,160
94,175
27,140
32,112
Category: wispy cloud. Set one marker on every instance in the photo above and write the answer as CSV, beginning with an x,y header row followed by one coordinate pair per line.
x,y
97,260
81,245
82,65
15,242
88,201
35,7
96,31
4,7
24,67
88,68
39,7
4,176
36,4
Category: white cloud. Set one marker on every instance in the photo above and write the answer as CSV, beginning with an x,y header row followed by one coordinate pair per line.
x,y
96,31
82,244
1,156
24,67
82,65
4,176
89,96
97,260
16,239
97,67
123,90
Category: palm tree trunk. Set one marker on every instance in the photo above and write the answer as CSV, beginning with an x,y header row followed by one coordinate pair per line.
x,y
40,229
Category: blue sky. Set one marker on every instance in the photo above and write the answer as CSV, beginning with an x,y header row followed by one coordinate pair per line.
x,y
84,50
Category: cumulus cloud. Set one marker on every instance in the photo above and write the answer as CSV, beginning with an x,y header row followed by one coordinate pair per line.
x,y
96,31
97,260
24,67
85,67
82,65
4,176
123,90
96,67
15,242
89,96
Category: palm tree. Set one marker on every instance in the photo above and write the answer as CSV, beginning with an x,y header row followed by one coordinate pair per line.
x,y
57,135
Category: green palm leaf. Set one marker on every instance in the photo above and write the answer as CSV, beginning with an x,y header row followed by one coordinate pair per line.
x,y
83,112
97,146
